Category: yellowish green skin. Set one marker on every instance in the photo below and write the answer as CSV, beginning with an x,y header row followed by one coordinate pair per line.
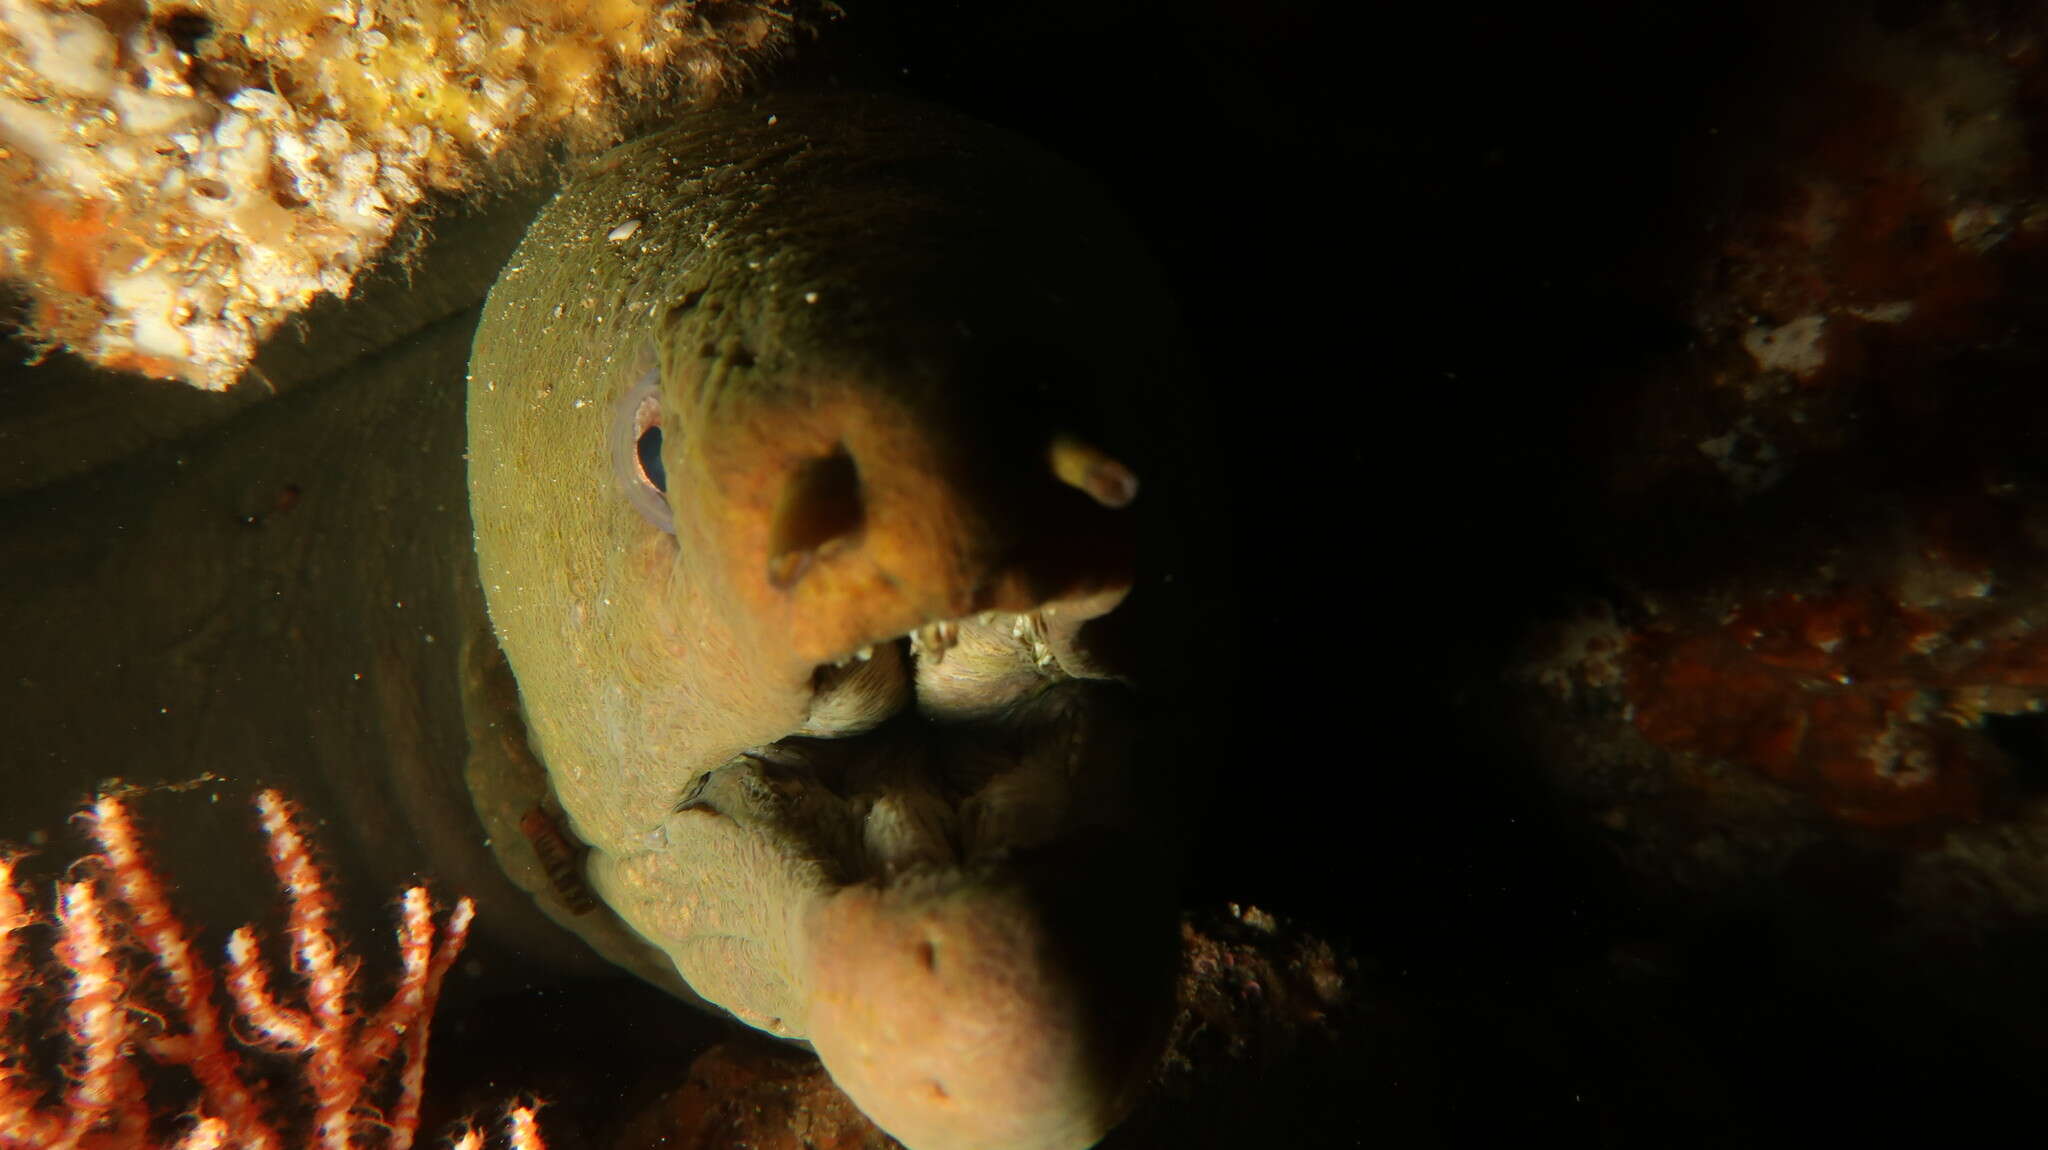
x,y
870,323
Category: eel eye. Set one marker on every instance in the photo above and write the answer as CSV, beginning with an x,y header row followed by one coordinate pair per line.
x,y
650,458
636,451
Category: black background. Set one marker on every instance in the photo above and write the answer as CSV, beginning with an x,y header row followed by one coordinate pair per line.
x,y
1409,240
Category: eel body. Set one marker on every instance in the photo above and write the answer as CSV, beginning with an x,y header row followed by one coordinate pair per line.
x,y
286,599
825,462
860,730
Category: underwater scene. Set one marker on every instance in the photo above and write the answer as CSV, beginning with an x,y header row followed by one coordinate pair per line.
x,y
629,574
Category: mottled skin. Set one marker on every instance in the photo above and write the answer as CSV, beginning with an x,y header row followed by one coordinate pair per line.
x,y
869,322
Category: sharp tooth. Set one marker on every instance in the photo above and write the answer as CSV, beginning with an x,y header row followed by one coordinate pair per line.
x,y
988,618
933,640
771,753
864,654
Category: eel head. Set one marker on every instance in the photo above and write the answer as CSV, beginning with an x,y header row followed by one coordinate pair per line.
x,y
806,445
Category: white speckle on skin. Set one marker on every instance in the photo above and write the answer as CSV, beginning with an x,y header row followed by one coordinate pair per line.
x,y
810,297
624,231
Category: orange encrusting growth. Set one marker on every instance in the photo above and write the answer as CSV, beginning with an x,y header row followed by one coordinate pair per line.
x,y
68,242
1837,695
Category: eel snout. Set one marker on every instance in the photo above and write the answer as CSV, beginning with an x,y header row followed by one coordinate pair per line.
x,y
853,517
959,1014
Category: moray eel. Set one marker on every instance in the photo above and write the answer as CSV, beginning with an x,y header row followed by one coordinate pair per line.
x,y
823,464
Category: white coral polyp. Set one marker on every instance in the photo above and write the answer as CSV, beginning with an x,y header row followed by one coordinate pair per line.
x,y
150,114
71,50
150,302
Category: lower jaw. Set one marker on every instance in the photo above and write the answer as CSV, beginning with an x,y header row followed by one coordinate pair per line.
x,y
1014,1008
973,791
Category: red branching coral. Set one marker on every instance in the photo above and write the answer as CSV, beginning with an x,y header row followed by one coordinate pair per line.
x,y
346,1052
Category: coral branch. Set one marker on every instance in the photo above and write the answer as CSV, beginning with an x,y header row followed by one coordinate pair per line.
x,y
336,1081
522,1132
206,1134
189,983
406,1111
347,1053
249,983
524,1129
104,1088
21,1124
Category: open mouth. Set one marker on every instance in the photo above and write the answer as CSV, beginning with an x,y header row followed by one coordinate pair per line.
x,y
957,745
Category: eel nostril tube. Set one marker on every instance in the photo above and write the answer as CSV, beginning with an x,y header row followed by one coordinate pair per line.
x,y
1083,465
820,505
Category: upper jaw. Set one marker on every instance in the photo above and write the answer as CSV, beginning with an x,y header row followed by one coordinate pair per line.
x,y
965,668
1003,751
